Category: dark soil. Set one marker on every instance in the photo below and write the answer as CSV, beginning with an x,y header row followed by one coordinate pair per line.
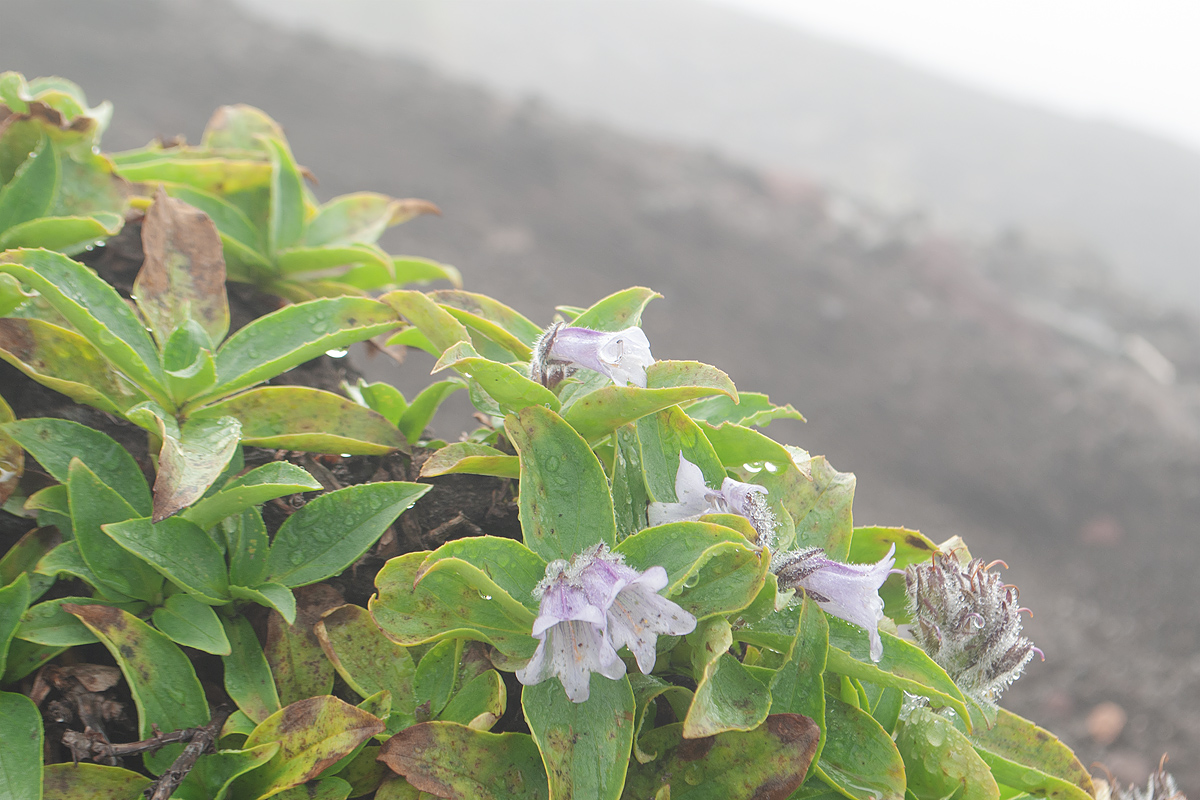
x,y
914,357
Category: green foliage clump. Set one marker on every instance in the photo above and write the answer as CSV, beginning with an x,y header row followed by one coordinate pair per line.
x,y
490,666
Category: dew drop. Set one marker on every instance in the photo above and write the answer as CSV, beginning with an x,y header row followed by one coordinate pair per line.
x,y
935,734
771,467
752,466
337,353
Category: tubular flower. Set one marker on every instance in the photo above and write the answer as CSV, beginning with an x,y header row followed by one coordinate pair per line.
x,y
637,614
623,356
573,640
591,607
734,497
848,591
967,620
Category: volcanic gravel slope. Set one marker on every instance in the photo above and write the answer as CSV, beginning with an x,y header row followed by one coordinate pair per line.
x,y
915,358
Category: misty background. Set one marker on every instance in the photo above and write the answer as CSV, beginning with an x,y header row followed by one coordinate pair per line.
x,y
987,310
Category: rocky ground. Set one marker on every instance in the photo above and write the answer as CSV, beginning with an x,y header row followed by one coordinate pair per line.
x,y
988,389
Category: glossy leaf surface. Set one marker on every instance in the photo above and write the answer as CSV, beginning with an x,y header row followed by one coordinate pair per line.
x,y
453,761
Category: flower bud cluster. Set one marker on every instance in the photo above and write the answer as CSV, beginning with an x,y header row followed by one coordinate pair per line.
x,y
968,621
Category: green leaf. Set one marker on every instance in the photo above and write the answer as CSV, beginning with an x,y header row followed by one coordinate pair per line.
x,y
276,479
410,269
246,543
160,677
285,221
24,658
66,234
451,760
799,686
181,551
65,559
859,757
601,412
93,781
508,328
508,387
67,363
191,623
286,338
1026,757
711,569
617,311
939,761
303,418
47,623
630,497
728,698
12,296
96,311
471,458
183,275
750,409
817,496
869,544
419,414
270,595
247,674
190,166
451,598
767,762
239,127
54,442
190,463
14,599
324,789
565,502
329,533
20,747
366,659
188,362
33,187
312,734
298,665
214,773
233,225
93,505
380,397
512,565
902,666
360,217
479,704
585,746
662,438
440,327
435,676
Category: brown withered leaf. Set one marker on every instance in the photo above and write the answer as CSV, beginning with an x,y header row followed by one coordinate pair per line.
x,y
183,275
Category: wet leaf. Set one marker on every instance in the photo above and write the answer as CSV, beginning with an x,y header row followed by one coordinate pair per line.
x,y
270,595
160,677
479,704
191,623
93,781
939,760
93,505
617,311
298,665
296,261
419,414
313,734
585,746
662,438
453,761
23,557
195,167
728,697
25,658
439,327
67,363
276,479
503,325
512,565
361,217
711,569
504,384
54,442
903,665
451,598
286,338
66,234
285,220
474,459
329,533
180,551
214,773
187,359
31,191
859,757
303,418
751,409
435,676
367,660
565,502
869,544
96,311
247,674
12,462
1024,756
411,269
239,127
183,275
767,763
189,464
325,789
14,599
669,382
799,686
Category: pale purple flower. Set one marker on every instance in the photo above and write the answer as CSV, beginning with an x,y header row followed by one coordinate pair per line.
x,y
573,638
623,356
637,614
694,499
847,591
